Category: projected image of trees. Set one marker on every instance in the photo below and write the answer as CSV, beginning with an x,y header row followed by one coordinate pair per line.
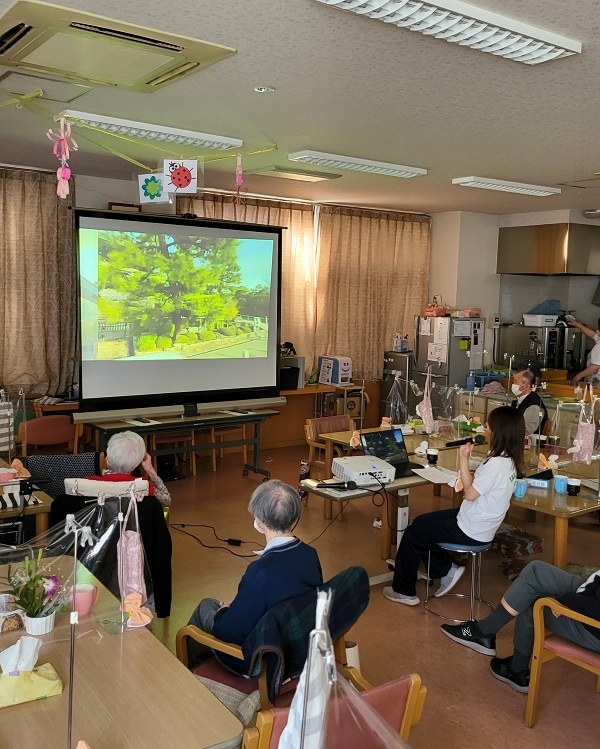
x,y
182,297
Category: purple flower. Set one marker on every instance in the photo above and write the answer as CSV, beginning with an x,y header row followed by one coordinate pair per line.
x,y
51,586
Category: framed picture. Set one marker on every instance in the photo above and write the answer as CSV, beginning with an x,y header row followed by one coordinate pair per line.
x,y
125,207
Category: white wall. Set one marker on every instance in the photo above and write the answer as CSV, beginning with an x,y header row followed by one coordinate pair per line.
x,y
443,264
98,192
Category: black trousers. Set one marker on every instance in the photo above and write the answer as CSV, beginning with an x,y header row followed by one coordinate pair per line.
x,y
418,539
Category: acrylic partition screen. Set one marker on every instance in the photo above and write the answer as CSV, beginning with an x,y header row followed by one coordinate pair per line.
x,y
174,310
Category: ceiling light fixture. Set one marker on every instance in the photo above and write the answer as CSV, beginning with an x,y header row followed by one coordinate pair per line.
x,y
499,184
151,132
263,89
466,24
358,165
298,174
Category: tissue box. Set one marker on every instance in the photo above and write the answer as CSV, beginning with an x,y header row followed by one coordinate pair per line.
x,y
26,686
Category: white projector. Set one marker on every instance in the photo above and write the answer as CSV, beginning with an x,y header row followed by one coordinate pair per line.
x,y
364,470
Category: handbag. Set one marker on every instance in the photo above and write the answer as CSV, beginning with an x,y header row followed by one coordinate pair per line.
x,y
130,555
424,409
585,437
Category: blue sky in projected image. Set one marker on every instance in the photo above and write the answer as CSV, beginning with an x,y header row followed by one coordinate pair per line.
x,y
254,258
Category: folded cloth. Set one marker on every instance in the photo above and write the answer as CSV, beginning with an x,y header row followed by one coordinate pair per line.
x,y
493,387
422,448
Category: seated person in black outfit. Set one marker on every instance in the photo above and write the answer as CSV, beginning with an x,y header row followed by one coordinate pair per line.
x,y
529,403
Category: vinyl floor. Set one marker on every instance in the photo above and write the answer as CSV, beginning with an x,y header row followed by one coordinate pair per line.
x,y
465,707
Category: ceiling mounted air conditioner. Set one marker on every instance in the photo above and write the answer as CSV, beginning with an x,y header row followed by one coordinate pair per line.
x,y
68,43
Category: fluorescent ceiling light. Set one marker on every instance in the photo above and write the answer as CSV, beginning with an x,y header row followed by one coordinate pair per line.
x,y
151,132
357,165
468,25
499,184
299,174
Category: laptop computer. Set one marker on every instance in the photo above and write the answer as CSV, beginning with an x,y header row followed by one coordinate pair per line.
x,y
389,446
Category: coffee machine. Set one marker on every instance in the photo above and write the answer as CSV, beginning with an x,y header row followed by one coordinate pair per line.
x,y
547,347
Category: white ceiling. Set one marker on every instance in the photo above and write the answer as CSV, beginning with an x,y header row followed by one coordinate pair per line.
x,y
350,85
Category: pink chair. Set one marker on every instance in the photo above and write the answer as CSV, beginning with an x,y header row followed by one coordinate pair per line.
x,y
546,647
399,702
49,430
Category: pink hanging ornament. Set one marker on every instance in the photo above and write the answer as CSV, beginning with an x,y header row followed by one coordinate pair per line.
x,y
239,179
63,145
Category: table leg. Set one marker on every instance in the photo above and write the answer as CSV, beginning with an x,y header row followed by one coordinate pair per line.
x,y
437,490
41,523
327,504
388,521
561,532
457,498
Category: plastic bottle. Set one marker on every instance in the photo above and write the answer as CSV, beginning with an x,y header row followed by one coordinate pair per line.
x,y
470,381
404,344
578,392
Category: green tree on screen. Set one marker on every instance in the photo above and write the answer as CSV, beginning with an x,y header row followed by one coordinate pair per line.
x,y
156,281
254,302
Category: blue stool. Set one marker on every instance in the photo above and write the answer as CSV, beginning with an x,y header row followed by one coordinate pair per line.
x,y
475,565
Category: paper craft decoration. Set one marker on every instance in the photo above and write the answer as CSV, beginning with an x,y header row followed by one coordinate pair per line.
x,y
181,176
152,188
139,616
63,144
355,439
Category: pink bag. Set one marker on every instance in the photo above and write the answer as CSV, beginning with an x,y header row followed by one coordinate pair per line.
x,y
586,435
130,556
424,409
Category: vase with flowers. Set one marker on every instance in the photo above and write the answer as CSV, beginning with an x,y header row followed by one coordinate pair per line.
x,y
38,595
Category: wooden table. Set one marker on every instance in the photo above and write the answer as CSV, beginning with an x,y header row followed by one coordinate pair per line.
x,y
105,430
562,507
129,691
392,501
41,511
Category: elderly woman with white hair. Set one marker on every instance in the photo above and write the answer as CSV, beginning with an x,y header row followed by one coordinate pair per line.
x,y
124,453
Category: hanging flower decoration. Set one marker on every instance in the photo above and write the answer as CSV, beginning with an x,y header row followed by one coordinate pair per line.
x,y
63,145
152,187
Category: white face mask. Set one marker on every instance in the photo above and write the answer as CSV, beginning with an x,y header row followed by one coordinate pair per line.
x,y
257,527
516,390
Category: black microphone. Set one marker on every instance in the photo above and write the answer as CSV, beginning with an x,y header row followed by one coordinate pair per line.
x,y
340,485
478,439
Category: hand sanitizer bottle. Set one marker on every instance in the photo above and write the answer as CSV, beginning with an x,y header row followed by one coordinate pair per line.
x,y
470,381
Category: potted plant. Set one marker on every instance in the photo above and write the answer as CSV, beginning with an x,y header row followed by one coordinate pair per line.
x,y
39,596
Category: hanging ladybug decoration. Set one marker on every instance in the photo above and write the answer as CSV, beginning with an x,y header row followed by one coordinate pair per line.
x,y
180,176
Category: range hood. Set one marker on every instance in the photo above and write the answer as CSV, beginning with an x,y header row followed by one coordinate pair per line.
x,y
549,249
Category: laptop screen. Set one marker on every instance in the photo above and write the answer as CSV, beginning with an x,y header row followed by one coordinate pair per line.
x,y
387,445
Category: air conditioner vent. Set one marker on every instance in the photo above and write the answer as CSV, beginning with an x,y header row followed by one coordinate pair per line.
x,y
118,34
12,36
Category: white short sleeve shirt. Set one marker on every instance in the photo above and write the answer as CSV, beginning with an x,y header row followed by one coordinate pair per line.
x,y
495,482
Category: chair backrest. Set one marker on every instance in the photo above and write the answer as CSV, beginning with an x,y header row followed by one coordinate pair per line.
x,y
48,430
279,642
59,467
399,702
326,424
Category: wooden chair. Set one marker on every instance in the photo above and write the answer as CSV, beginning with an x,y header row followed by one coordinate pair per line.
x,y
548,646
275,666
399,702
323,425
219,434
48,431
176,439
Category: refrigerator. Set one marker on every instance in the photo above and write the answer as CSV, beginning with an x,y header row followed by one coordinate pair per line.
x,y
395,363
452,346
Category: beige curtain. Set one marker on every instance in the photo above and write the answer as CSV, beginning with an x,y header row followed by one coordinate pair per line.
x,y
37,284
298,270
373,274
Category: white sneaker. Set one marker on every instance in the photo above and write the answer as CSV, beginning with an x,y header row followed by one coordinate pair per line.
x,y
449,581
391,595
